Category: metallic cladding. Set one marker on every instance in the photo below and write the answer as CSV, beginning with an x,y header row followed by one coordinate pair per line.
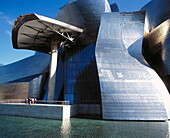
x,y
156,44
36,86
130,89
156,50
114,7
157,11
85,14
34,65
81,85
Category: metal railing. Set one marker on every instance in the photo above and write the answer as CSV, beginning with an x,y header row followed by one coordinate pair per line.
x,y
53,102
26,101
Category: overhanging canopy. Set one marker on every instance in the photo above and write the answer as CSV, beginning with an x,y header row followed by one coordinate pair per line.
x,y
35,32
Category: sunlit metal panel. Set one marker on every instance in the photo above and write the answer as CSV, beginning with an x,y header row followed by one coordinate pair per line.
x,y
157,11
130,89
85,14
34,65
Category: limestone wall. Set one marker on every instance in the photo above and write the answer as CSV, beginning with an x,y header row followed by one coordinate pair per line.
x,y
14,90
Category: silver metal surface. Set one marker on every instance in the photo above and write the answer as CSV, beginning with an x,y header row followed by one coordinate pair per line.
x,y
85,14
156,46
130,89
34,65
36,86
157,11
156,50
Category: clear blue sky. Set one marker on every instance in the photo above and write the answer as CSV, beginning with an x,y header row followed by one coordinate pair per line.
x,y
11,9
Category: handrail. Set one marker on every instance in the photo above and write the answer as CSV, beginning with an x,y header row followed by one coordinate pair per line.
x,y
34,102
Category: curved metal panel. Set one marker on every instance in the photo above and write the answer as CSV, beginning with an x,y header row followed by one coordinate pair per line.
x,y
85,14
156,50
157,12
81,85
30,66
130,89
156,45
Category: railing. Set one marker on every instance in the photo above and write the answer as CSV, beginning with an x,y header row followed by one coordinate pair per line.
x,y
27,101
53,102
13,101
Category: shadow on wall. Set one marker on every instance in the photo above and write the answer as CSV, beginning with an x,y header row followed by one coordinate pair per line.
x,y
135,50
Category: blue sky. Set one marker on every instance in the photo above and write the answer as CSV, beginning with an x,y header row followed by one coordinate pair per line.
x,y
11,9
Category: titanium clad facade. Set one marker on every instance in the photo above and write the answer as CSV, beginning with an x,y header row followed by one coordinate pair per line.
x,y
157,11
33,70
31,66
100,65
114,7
156,46
81,85
77,78
130,89
85,14
156,50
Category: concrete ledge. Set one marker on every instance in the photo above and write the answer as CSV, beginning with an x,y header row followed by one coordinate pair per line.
x,y
49,111
59,112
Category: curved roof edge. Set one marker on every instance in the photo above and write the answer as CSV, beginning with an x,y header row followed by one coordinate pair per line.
x,y
35,32
19,22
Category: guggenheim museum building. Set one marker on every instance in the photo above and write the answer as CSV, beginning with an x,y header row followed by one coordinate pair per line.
x,y
107,63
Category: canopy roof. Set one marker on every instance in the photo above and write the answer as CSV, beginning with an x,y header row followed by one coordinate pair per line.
x,y
35,32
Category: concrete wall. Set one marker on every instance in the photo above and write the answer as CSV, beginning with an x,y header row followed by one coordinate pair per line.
x,y
59,112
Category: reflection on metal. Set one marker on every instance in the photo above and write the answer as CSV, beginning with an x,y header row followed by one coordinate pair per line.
x,y
156,46
31,66
130,89
36,86
156,50
85,14
114,7
81,85
157,11
32,70
39,33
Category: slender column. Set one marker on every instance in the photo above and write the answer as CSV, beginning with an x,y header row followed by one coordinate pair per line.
x,y
53,68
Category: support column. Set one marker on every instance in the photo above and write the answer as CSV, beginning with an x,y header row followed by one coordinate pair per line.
x,y
53,69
